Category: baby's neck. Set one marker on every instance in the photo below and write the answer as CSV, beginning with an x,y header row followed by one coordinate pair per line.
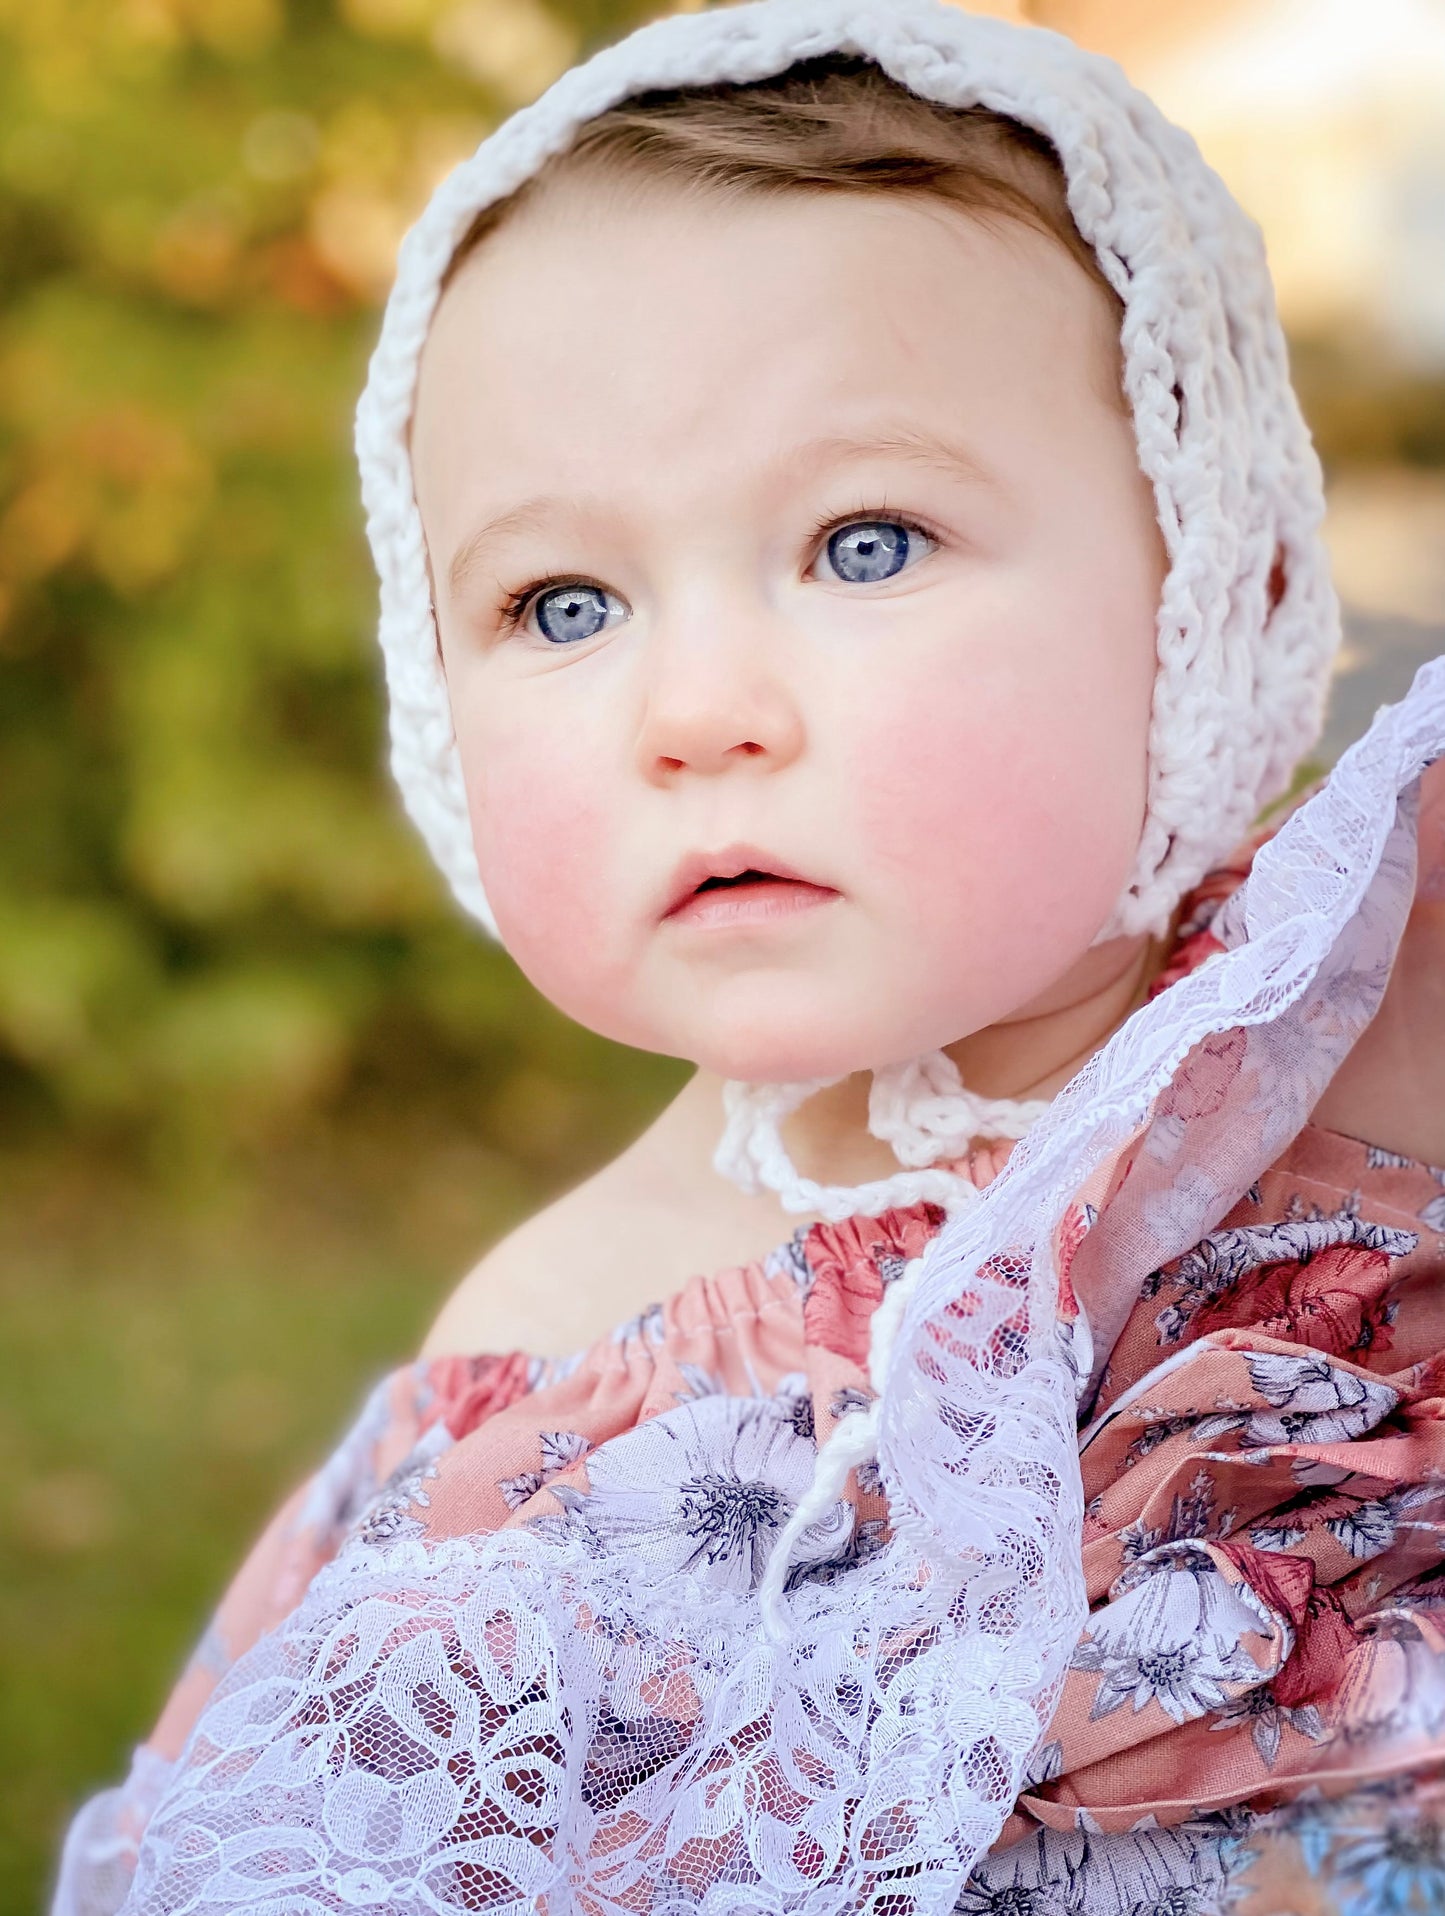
x,y
1031,1054
1035,1051
660,1213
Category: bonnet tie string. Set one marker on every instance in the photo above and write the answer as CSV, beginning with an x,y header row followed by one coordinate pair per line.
x,y
920,1109
923,1111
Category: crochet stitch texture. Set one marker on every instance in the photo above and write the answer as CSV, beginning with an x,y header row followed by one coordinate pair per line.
x,y
1240,691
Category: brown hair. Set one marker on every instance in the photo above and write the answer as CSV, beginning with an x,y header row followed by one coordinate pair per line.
x,y
838,123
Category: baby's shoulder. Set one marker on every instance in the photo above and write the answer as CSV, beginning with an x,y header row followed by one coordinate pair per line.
x,y
561,1279
631,1236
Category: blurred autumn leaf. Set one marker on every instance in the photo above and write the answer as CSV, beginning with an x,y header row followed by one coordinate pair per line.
x,y
212,916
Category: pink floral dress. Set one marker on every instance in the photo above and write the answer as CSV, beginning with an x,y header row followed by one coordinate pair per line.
x,y
1261,1730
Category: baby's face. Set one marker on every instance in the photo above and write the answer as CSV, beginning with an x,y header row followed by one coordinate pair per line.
x,y
829,560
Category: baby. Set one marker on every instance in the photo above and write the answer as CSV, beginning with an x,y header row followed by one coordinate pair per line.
x,y
851,577
796,584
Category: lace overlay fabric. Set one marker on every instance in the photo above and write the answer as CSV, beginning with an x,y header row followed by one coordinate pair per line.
x,y
506,1652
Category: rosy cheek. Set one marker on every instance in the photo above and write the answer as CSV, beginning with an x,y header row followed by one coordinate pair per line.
x,y
540,834
985,814
929,780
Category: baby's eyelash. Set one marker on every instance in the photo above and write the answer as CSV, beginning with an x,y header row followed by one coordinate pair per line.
x,y
876,509
513,607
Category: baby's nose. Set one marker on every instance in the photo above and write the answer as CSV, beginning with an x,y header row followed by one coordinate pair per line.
x,y
709,711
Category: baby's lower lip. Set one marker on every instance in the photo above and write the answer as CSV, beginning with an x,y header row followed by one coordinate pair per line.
x,y
754,903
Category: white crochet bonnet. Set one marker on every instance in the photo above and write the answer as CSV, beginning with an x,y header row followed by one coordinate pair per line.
x,y
1240,692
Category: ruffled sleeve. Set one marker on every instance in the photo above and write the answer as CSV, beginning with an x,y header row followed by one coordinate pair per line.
x,y
99,1855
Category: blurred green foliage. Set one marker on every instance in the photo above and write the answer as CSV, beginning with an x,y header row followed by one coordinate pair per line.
x,y
213,920
264,1092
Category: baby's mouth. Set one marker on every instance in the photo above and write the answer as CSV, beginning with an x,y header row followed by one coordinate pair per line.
x,y
736,889
749,877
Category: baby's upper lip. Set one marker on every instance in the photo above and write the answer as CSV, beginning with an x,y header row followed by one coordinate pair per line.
x,y
731,862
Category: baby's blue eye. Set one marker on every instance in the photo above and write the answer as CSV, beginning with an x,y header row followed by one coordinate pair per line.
x,y
569,613
870,549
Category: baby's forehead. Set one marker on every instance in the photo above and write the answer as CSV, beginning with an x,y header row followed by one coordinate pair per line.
x,y
590,241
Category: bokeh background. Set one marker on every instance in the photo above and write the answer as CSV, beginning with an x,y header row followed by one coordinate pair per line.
x,y
263,1095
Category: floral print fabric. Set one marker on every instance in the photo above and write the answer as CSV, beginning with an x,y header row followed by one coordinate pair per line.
x,y
1255,1713
1265,1558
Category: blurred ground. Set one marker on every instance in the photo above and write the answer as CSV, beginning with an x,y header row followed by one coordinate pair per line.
x,y
263,1096
1387,541
176,1350
1380,658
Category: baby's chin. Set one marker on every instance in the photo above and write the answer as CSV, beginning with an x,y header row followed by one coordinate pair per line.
x,y
792,1037
781,1019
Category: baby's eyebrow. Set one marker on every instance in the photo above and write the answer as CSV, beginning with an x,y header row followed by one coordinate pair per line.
x,y
912,443
528,515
